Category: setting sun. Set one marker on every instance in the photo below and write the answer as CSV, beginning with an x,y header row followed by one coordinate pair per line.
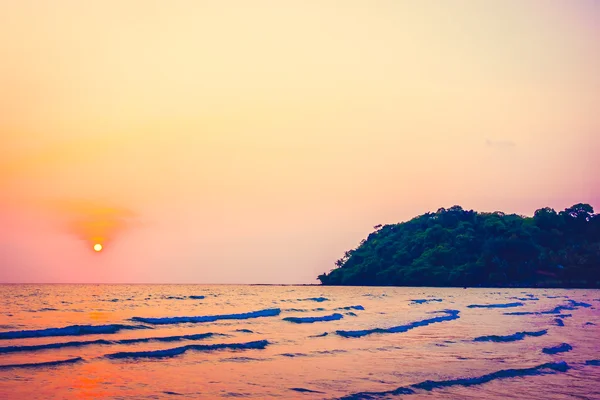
x,y
97,247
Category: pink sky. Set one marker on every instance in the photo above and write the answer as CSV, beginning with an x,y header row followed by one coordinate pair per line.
x,y
255,142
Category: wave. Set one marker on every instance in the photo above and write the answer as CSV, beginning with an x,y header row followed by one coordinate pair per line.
x,y
548,368
502,374
509,338
317,299
450,315
243,359
73,330
244,330
559,322
334,351
321,335
272,312
505,305
196,336
259,344
14,349
303,390
579,304
593,362
42,364
424,301
315,353
375,295
47,346
358,308
192,297
556,310
561,348
305,309
524,298
310,320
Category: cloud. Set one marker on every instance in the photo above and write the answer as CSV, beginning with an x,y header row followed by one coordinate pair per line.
x,y
500,144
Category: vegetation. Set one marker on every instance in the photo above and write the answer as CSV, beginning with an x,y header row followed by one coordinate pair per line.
x,y
455,247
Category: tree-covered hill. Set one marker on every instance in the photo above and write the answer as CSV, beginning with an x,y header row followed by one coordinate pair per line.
x,y
456,247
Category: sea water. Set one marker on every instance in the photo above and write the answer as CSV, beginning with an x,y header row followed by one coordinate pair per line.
x,y
304,342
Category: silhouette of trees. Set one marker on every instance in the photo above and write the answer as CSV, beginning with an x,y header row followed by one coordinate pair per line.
x,y
457,247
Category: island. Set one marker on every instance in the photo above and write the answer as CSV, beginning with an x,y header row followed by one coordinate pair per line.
x,y
463,248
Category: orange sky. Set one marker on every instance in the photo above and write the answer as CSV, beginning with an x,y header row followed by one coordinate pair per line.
x,y
256,141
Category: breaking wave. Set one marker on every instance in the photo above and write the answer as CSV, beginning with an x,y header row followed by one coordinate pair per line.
x,y
509,338
525,298
303,390
424,301
450,315
14,349
548,368
73,330
272,312
574,305
561,348
505,305
42,364
259,344
310,320
317,299
358,308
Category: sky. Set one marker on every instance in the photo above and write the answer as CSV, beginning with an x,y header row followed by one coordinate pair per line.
x,y
257,141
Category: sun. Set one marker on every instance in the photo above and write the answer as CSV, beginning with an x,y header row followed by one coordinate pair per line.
x,y
97,247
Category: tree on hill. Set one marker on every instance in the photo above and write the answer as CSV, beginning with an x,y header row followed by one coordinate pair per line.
x,y
456,247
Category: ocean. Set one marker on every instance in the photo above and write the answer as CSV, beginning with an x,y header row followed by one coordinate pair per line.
x,y
297,342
